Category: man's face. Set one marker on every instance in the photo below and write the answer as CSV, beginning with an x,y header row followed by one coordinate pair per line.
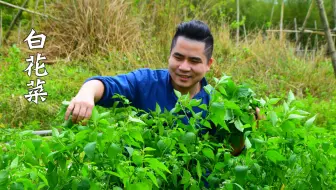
x,y
187,64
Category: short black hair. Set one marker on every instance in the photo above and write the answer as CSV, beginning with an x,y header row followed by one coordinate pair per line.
x,y
195,30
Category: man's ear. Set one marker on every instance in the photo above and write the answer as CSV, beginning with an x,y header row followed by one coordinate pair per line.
x,y
209,63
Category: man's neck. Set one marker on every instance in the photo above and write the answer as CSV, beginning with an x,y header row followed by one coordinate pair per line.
x,y
192,91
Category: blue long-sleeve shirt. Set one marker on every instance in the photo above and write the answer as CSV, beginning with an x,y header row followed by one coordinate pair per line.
x,y
144,88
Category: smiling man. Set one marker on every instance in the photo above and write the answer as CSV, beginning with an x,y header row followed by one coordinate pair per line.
x,y
190,59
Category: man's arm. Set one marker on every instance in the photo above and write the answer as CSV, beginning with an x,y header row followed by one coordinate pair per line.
x,y
81,106
237,142
237,139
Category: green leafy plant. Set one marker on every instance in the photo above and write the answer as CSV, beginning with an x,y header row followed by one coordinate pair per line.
x,y
126,148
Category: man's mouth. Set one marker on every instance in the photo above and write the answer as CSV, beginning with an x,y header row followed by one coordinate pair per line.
x,y
184,76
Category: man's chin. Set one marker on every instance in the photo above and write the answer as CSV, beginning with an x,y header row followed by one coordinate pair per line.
x,y
183,84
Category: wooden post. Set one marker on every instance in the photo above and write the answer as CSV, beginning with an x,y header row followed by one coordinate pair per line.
x,y
296,33
245,32
315,41
33,16
44,6
296,37
0,27
306,48
281,18
334,11
304,24
316,36
19,34
325,23
16,18
237,32
27,10
272,12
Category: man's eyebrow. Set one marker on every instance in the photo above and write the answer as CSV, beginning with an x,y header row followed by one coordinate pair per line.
x,y
178,54
196,58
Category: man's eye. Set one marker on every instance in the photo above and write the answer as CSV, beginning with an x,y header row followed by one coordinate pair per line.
x,y
195,61
178,58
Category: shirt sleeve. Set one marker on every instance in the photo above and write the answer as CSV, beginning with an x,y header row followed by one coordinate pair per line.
x,y
125,84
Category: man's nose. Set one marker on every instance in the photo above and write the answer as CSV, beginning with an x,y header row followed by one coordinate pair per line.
x,y
185,66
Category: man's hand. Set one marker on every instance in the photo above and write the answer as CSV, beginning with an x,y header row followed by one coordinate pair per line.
x,y
81,108
238,142
258,117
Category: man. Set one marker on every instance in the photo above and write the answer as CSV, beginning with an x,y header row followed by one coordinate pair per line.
x,y
190,59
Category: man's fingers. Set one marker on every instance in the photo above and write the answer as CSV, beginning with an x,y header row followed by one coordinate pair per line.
x,y
75,112
87,115
258,113
88,112
81,114
69,110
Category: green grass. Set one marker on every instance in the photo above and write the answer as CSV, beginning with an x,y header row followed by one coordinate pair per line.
x,y
65,79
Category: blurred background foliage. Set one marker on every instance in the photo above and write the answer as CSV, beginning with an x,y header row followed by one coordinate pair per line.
x,y
109,37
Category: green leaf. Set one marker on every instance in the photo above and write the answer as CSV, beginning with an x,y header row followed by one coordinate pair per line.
x,y
55,132
3,178
262,102
238,124
157,164
37,143
208,88
136,135
149,149
199,170
136,120
89,149
189,138
104,115
231,105
153,178
183,148
273,101
286,107
303,112
84,184
288,126
177,93
241,172
273,118
137,158
113,151
295,116
208,153
220,165
113,173
160,173
195,102
310,121
291,97
157,108
17,186
140,186
248,144
95,115
129,150
44,179
203,106
186,177
222,90
275,156
14,163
